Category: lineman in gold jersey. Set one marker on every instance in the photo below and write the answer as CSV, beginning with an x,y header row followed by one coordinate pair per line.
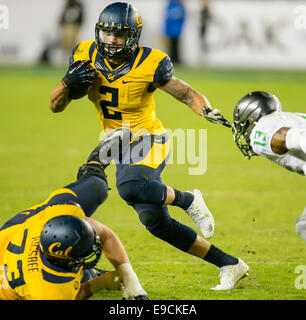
x,y
49,251
120,78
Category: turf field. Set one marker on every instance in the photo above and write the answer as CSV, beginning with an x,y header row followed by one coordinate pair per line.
x,y
255,203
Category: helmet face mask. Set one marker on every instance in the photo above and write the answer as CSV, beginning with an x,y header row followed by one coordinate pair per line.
x,y
247,112
70,242
91,260
242,141
122,48
121,19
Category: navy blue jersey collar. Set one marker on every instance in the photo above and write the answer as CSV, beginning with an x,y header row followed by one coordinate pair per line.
x,y
112,75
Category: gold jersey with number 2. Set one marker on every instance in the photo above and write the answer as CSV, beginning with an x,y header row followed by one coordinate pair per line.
x,y
124,95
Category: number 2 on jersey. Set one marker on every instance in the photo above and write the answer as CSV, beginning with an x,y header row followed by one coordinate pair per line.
x,y
109,114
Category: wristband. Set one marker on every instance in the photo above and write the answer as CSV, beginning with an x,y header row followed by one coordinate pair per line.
x,y
64,83
129,277
126,272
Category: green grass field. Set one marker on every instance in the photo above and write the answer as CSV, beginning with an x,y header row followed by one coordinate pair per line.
x,y
255,203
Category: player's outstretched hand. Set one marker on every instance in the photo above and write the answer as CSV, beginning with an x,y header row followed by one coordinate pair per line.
x,y
80,73
215,116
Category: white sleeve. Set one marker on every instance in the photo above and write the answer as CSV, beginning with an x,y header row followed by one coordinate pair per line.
x,y
261,137
266,127
290,162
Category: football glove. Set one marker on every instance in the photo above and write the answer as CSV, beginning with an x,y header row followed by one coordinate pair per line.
x,y
215,116
80,73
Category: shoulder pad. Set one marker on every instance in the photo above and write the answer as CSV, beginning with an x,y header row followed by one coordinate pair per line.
x,y
164,70
83,51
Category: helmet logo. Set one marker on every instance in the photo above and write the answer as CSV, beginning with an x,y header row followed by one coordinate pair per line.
x,y
138,20
61,253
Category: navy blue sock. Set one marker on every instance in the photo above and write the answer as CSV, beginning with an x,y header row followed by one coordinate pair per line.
x,y
182,199
219,258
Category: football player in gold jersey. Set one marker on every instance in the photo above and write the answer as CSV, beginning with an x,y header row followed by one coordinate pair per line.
x,y
49,251
120,78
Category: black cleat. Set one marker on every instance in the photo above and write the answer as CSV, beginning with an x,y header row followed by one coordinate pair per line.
x,y
111,146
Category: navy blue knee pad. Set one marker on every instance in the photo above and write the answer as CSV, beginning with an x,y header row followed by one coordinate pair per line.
x,y
158,222
142,191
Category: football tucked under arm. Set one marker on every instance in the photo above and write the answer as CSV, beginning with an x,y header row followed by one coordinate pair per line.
x,y
78,91
74,85
78,78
